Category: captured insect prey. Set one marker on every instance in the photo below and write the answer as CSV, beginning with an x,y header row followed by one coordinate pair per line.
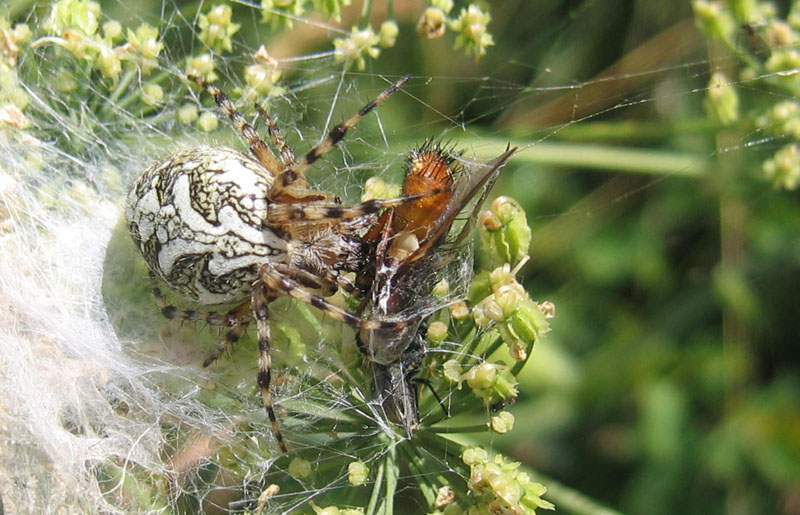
x,y
413,248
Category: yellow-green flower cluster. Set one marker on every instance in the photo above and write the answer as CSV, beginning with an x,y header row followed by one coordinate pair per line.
x,y
74,25
722,101
216,28
752,29
504,229
357,473
334,510
715,19
331,8
146,46
470,26
783,119
490,382
500,486
261,77
471,29
299,468
354,48
783,169
281,12
201,66
11,91
11,41
506,305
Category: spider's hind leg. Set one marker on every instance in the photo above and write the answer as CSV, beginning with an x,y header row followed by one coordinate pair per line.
x,y
237,316
261,315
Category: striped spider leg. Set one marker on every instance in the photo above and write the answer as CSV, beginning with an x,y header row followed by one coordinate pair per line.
x,y
219,226
413,249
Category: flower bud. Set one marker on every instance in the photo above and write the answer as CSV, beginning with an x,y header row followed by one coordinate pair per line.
x,y
452,370
152,94
475,456
717,21
432,23
528,322
722,101
358,473
437,332
481,377
112,30
504,229
299,468
207,122
187,113
201,66
441,289
503,422
388,33
783,169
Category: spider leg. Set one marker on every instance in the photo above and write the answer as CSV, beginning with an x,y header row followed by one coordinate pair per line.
x,y
287,213
284,152
234,317
294,173
261,314
231,337
259,149
280,278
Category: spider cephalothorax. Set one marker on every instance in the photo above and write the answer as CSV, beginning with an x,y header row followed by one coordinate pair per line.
x,y
220,226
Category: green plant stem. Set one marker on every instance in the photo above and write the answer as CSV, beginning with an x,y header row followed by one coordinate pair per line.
x,y
476,428
376,488
568,500
390,472
366,9
594,157
637,131
122,85
418,473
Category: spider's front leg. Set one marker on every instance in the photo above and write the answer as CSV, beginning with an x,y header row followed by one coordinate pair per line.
x,y
285,181
282,214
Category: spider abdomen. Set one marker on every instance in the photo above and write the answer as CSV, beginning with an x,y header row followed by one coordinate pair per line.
x,y
198,218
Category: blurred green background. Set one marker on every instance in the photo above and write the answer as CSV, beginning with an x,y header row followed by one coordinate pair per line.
x,y
670,382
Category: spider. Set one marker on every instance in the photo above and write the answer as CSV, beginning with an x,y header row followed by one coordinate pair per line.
x,y
219,226
412,245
